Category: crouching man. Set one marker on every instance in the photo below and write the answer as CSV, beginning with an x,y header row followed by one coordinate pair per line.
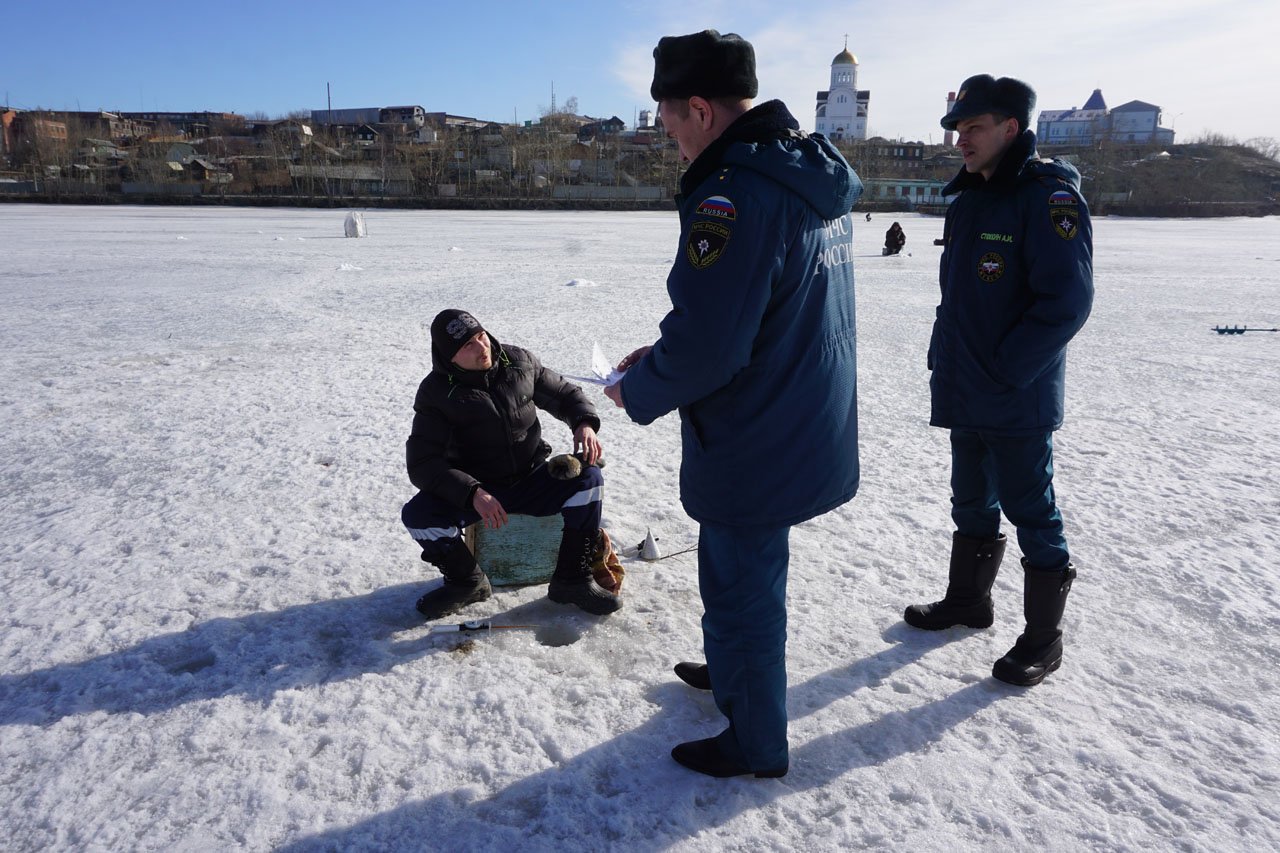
x,y
476,454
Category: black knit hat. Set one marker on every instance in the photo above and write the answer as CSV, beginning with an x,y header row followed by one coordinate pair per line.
x,y
451,329
705,64
985,94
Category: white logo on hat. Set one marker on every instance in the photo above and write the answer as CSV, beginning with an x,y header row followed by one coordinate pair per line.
x,y
460,327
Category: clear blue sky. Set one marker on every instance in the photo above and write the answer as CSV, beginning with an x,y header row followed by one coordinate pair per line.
x,y
1212,66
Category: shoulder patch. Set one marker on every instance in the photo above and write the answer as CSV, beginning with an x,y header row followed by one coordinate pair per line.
x,y
707,241
718,207
1064,213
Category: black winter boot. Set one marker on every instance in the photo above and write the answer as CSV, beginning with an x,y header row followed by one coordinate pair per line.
x,y
1038,651
572,583
974,563
464,583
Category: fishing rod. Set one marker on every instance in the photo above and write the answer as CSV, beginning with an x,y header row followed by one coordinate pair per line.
x,y
475,626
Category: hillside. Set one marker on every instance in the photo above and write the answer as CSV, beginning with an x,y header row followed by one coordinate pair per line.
x,y
1187,180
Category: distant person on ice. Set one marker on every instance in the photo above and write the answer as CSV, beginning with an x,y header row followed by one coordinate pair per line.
x,y
476,453
758,356
894,239
1017,284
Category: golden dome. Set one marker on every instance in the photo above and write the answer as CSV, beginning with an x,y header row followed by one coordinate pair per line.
x,y
844,57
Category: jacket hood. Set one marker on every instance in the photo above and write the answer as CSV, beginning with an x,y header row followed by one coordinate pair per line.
x,y
1019,163
767,139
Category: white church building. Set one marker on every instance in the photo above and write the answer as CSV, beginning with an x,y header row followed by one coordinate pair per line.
x,y
842,110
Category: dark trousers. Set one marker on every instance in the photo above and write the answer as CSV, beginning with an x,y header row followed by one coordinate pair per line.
x,y
991,473
435,523
742,575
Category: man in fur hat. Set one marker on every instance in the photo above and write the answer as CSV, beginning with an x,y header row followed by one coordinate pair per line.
x,y
758,356
1017,284
477,454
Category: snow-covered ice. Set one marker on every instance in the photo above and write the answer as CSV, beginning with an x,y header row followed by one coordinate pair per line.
x,y
209,637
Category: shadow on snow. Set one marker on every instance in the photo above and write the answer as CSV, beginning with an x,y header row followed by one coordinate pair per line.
x,y
594,800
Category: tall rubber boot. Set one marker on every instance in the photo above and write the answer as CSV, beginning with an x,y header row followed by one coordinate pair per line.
x,y
464,582
572,583
974,564
1038,651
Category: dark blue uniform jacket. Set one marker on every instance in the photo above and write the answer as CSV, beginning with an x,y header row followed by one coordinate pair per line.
x,y
758,352
1017,284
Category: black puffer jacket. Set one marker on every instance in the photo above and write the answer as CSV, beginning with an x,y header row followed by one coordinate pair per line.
x,y
472,427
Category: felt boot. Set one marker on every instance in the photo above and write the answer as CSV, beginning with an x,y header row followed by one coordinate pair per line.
x,y
572,581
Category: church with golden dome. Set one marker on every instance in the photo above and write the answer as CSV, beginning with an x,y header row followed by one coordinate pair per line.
x,y
842,109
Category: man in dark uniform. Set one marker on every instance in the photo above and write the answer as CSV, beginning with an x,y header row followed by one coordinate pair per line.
x,y
1017,284
476,453
758,354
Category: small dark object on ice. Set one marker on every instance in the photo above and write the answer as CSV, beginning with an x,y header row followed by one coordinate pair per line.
x,y
1239,330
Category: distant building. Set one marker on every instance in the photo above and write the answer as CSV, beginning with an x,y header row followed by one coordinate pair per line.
x,y
193,124
909,193
1138,121
598,128
842,110
896,157
1134,122
410,117
356,116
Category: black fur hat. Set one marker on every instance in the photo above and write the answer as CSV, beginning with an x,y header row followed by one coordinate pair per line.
x,y
985,94
705,64
451,329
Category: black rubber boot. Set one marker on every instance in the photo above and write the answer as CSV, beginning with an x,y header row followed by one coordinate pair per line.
x,y
974,563
1038,651
572,583
464,582
694,674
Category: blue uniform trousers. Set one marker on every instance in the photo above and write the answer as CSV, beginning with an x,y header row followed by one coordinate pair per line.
x,y
435,523
990,473
742,575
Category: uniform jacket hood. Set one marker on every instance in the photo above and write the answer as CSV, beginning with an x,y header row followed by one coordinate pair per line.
x,y
768,139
